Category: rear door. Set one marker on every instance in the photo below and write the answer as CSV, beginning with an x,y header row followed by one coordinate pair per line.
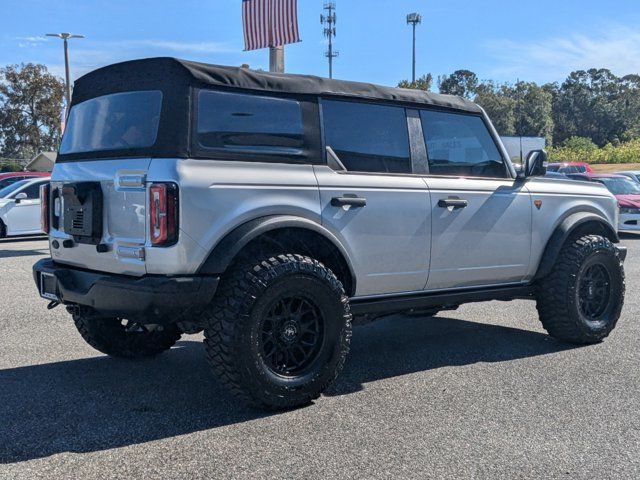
x,y
376,206
124,204
481,216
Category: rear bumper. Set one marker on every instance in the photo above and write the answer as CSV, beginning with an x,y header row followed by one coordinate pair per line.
x,y
153,297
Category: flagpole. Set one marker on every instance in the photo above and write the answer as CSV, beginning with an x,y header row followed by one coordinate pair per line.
x,y
276,59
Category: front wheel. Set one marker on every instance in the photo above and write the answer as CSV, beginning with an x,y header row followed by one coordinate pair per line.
x,y
581,299
279,330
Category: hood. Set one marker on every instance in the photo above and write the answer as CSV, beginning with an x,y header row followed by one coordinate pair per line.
x,y
629,201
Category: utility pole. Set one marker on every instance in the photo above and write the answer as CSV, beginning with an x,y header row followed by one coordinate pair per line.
x,y
65,37
329,31
414,19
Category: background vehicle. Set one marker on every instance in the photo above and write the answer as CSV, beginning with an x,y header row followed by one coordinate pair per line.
x,y
633,175
570,167
8,178
20,207
268,209
627,192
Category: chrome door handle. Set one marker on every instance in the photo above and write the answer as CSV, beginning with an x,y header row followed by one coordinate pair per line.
x,y
357,202
452,202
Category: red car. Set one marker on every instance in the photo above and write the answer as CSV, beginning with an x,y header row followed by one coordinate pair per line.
x,y
628,194
7,178
570,167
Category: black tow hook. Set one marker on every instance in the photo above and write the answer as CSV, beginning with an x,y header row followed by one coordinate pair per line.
x,y
52,304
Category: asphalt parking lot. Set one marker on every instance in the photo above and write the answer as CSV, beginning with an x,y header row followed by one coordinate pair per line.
x,y
481,392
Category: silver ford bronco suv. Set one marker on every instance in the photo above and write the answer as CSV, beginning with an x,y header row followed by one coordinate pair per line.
x,y
271,210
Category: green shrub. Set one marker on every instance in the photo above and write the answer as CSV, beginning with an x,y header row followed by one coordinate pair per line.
x,y
577,149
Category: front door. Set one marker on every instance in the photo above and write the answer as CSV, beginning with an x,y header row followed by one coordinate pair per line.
x,y
481,216
24,215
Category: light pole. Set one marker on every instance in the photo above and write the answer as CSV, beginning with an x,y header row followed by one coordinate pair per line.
x,y
414,19
65,37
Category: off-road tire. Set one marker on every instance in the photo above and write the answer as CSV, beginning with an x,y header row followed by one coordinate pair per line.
x,y
559,294
110,336
240,307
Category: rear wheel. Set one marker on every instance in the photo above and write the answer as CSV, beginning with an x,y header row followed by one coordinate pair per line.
x,y
279,330
123,338
581,300
3,230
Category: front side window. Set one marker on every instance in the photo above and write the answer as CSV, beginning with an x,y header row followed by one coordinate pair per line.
x,y
249,123
33,191
367,137
460,145
119,121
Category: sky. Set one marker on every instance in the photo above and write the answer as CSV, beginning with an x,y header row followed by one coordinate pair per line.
x,y
541,40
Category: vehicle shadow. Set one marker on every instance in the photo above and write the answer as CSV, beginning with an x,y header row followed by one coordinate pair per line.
x,y
31,238
629,235
22,253
100,403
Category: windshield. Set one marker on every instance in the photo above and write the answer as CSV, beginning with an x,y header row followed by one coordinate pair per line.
x,y
573,169
6,191
113,122
620,186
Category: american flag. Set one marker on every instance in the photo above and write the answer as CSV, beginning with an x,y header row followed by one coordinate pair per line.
x,y
269,23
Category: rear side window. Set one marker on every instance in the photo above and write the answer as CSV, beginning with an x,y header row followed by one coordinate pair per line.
x,y
461,145
118,121
367,137
249,123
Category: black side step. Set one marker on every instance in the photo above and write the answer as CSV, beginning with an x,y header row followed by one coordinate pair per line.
x,y
389,304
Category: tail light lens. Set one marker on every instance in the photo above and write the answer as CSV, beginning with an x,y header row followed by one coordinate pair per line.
x,y
44,207
163,214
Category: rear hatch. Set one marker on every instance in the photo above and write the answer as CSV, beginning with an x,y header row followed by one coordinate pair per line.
x,y
99,215
98,185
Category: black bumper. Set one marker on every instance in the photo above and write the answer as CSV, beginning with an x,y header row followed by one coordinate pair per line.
x,y
157,298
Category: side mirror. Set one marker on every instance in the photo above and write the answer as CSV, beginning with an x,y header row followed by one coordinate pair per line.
x,y
19,197
536,164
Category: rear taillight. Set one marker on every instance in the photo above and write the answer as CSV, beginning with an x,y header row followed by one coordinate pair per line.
x,y
163,214
44,207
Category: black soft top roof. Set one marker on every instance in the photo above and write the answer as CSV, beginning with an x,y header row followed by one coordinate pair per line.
x,y
165,72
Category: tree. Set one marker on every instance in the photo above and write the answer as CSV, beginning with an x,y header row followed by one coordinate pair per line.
x,y
461,82
533,111
30,110
499,105
422,83
596,104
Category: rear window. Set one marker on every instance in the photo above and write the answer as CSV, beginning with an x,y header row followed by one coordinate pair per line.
x,y
249,123
118,121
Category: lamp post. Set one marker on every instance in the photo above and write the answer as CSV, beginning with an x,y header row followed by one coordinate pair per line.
x,y
414,19
65,37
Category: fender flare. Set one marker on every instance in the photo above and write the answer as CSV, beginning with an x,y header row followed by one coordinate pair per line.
x,y
563,231
223,253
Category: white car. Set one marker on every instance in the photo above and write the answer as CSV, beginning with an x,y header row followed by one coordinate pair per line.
x,y
20,207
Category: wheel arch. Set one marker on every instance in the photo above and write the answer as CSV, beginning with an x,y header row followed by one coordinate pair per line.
x,y
580,223
283,232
